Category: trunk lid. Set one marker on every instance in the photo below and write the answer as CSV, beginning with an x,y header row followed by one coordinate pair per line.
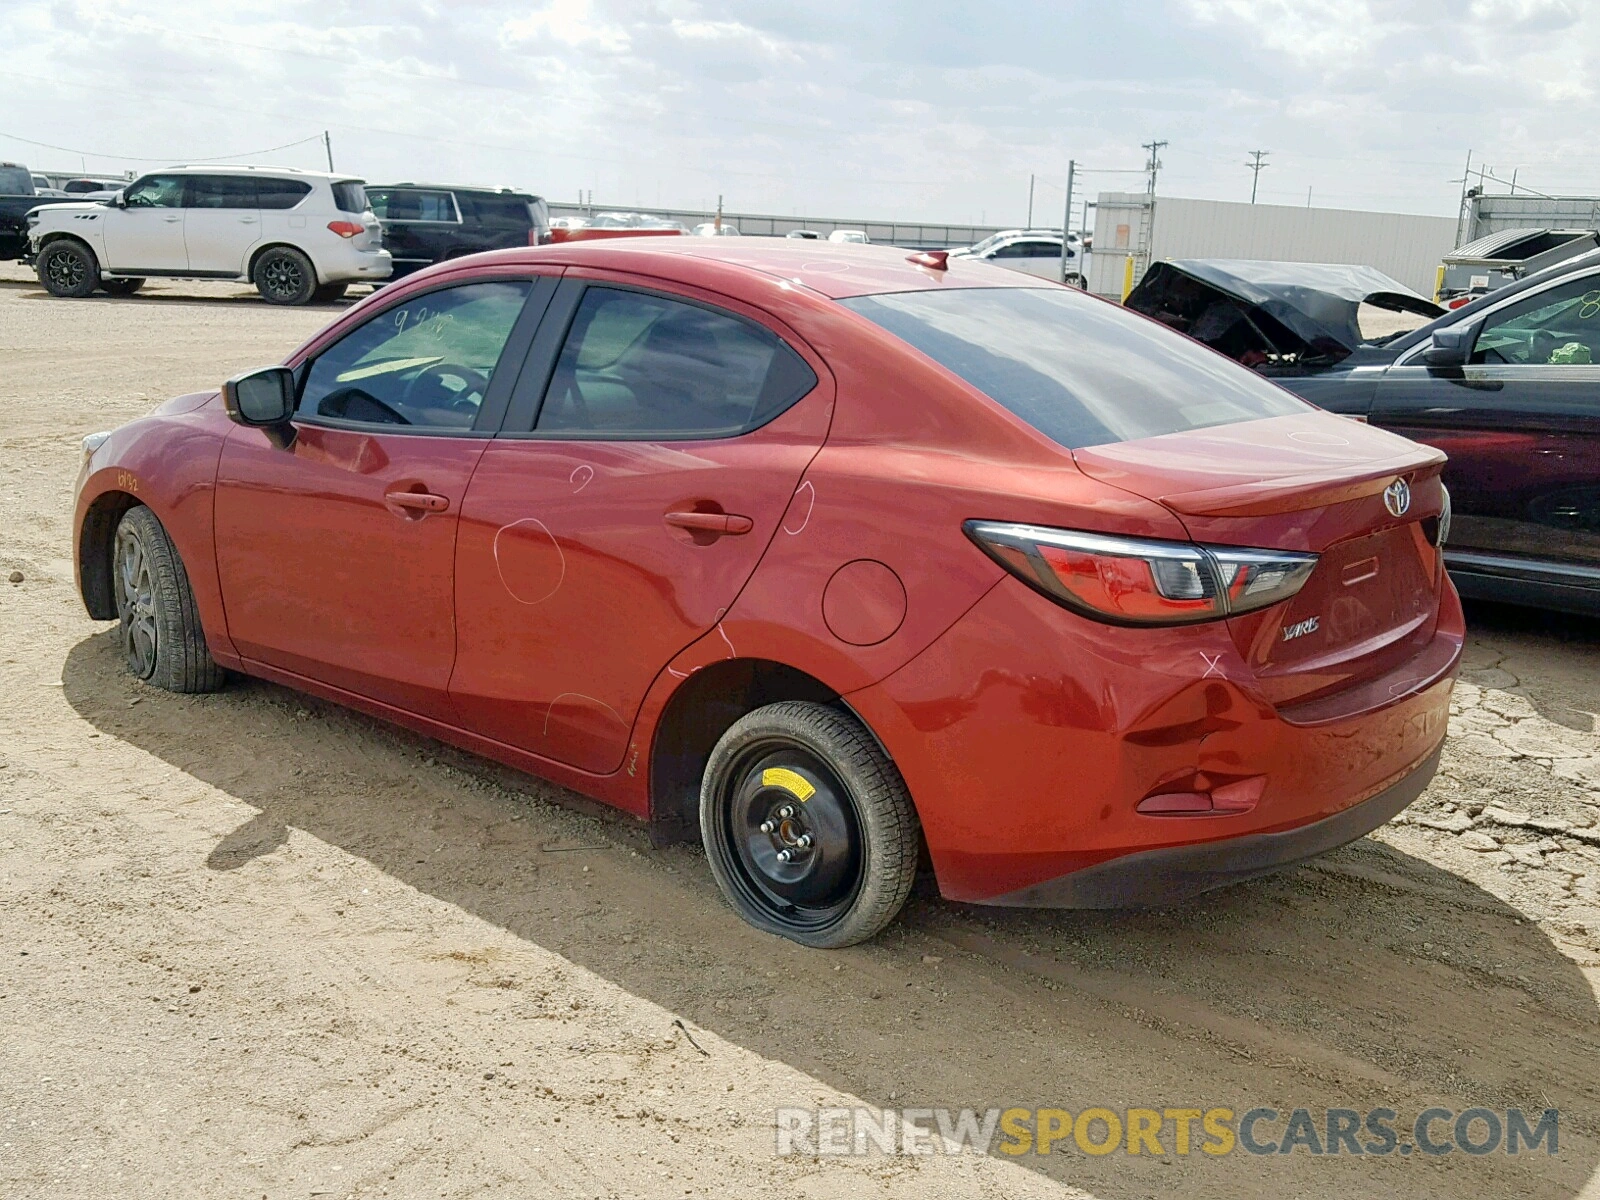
x,y
1308,482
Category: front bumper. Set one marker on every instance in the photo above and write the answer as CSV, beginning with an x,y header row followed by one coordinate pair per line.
x,y
1152,878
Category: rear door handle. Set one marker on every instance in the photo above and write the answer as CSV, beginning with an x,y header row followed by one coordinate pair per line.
x,y
731,524
417,502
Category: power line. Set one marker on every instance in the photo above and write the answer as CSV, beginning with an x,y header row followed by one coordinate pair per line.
x,y
1256,167
166,158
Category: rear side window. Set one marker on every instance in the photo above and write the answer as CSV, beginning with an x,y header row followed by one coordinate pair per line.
x,y
286,193
641,365
222,191
407,204
1079,370
496,210
14,181
350,196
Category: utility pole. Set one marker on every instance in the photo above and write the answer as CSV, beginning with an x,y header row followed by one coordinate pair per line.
x,y
1030,202
1146,248
1461,212
1256,166
718,225
1066,220
327,144
1154,164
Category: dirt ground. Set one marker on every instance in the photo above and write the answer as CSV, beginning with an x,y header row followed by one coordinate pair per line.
x,y
254,945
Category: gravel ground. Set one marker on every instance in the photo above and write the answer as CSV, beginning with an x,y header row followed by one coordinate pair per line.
x,y
255,945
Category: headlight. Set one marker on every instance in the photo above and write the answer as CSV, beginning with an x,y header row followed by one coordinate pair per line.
x,y
92,443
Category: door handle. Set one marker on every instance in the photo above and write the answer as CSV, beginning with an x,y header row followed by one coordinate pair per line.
x,y
247,220
172,220
714,523
419,503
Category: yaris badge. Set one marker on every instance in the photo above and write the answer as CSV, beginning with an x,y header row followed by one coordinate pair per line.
x,y
1300,628
1397,498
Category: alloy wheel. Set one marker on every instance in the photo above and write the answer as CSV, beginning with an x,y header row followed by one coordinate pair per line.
x,y
66,271
136,604
283,278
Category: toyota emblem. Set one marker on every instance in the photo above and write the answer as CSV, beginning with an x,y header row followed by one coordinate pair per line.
x,y
1397,498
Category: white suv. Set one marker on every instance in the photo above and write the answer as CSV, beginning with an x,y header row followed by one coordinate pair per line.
x,y
299,236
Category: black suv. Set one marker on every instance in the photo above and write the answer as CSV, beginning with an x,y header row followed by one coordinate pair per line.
x,y
426,223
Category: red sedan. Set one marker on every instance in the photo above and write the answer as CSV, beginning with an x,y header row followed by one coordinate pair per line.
x,y
820,553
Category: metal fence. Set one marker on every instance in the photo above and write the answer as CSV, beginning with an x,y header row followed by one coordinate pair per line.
x,y
912,235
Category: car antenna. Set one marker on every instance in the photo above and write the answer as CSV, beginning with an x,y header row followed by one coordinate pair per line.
x,y
938,260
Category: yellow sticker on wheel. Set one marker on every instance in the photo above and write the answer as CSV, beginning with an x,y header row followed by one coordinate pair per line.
x,y
790,781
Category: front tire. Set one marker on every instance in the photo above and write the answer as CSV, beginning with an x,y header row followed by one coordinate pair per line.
x,y
68,269
807,825
158,621
285,276
329,293
121,287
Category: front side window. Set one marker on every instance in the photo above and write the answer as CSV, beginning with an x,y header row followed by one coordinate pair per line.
x,y
222,191
156,191
639,365
1080,371
1559,326
425,363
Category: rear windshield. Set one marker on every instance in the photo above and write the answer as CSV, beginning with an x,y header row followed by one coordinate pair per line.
x,y
1080,371
350,196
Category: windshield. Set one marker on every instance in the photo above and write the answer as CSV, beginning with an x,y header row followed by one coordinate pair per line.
x,y
1079,370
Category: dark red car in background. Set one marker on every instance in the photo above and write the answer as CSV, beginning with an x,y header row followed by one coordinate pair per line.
x,y
820,552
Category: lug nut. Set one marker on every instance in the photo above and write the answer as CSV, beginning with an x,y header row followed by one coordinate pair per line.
x,y
805,841
784,855
786,811
767,827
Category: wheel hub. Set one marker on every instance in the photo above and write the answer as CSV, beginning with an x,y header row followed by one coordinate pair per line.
x,y
795,834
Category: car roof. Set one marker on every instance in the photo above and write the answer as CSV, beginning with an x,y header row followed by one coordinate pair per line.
x,y
834,269
510,193
237,169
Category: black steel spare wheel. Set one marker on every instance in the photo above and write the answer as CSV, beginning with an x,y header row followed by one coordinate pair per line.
x,y
807,825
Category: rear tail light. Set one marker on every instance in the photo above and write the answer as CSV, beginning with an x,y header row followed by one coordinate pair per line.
x,y
1138,581
346,229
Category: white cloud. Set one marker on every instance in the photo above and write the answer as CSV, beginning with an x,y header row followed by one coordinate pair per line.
x,y
928,110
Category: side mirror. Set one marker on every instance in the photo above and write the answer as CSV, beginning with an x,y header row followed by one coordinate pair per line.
x,y
120,199
262,399
1449,347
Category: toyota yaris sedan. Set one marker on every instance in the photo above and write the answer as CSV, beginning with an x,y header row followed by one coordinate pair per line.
x,y
820,554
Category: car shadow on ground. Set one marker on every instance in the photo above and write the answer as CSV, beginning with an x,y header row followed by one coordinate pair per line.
x,y
33,291
1367,979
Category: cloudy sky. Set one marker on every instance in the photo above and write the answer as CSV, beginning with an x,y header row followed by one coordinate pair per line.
x,y
929,110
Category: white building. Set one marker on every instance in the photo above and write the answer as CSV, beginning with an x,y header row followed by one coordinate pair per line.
x,y
1406,248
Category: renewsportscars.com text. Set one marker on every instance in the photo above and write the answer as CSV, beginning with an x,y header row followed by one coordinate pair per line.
x,y
1214,1131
